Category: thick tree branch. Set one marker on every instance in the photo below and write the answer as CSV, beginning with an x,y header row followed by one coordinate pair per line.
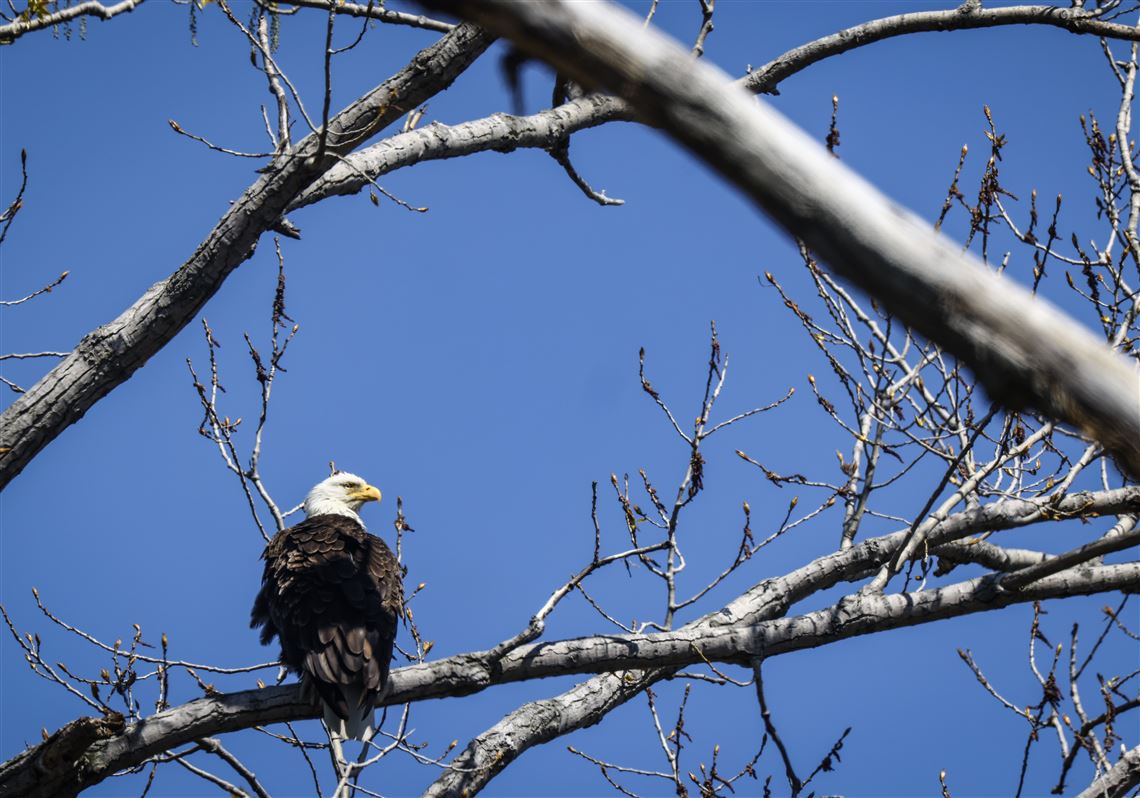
x,y
749,626
499,132
535,723
987,555
1025,351
1089,551
1124,775
107,357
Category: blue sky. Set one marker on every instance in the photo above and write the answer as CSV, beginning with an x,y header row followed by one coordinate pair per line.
x,y
480,360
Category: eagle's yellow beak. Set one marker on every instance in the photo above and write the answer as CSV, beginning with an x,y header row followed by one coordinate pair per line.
x,y
366,494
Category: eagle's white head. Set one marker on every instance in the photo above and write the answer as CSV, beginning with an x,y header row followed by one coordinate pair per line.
x,y
341,494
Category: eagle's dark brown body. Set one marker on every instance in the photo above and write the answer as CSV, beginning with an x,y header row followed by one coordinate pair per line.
x,y
331,594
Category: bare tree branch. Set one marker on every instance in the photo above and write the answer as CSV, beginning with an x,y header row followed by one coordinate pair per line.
x,y
47,289
1124,775
92,8
375,11
1074,20
1069,559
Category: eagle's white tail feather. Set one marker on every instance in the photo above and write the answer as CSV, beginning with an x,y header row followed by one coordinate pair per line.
x,y
361,720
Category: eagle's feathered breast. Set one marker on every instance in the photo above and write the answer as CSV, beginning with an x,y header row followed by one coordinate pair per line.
x,y
332,594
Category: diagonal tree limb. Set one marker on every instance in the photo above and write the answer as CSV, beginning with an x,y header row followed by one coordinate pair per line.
x,y
1025,351
106,357
1069,559
1124,775
538,722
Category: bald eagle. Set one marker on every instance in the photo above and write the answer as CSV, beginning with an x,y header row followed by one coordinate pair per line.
x,y
331,594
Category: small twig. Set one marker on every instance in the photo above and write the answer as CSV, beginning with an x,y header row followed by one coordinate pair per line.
x,y
1021,578
18,203
45,290
376,12
561,154
13,386
269,61
215,747
177,128
770,728
282,141
707,7
91,8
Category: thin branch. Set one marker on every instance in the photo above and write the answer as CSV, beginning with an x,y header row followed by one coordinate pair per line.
x,y
91,8
9,214
45,290
1089,551
376,12
210,745
770,728
177,128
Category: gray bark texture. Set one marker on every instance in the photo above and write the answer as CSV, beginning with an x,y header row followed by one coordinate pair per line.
x,y
107,356
1026,352
1124,775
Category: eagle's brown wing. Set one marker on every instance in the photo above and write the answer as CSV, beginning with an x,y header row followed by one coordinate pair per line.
x,y
332,593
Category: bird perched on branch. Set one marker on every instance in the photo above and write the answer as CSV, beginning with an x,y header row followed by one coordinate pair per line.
x,y
331,594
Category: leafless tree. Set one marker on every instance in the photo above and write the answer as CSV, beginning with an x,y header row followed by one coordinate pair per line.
x,y
1055,439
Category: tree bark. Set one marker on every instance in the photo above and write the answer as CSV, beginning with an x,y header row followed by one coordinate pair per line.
x,y
1124,775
